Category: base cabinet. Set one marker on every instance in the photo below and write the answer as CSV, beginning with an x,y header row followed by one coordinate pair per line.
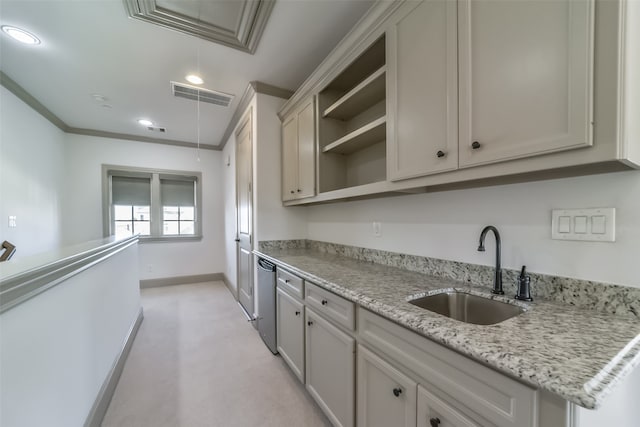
x,y
435,412
330,369
386,397
290,331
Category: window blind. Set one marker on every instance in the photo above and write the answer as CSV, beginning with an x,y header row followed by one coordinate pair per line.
x,y
177,192
130,191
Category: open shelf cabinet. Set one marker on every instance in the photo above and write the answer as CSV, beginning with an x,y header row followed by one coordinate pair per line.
x,y
352,123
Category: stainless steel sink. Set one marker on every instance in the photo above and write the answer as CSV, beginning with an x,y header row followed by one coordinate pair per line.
x,y
468,308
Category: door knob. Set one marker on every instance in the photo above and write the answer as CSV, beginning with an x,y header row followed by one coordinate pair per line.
x,y
397,391
475,145
309,323
324,302
441,153
297,313
435,422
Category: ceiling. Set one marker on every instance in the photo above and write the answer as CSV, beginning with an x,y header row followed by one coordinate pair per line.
x,y
92,47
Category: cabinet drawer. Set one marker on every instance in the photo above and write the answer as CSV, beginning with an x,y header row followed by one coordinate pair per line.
x,y
500,400
331,305
433,410
291,283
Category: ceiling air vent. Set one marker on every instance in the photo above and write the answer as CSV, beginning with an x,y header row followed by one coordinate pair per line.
x,y
156,129
195,93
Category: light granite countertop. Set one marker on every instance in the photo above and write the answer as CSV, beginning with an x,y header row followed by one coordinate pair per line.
x,y
577,353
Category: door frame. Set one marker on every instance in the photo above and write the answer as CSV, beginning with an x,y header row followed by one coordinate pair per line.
x,y
247,120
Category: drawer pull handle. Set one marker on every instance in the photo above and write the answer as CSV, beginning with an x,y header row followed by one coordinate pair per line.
x,y
441,153
324,302
397,391
309,323
475,145
435,422
297,313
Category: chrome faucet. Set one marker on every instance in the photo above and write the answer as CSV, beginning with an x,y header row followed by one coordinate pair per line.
x,y
497,283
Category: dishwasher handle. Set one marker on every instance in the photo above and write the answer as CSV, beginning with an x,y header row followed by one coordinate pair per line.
x,y
266,265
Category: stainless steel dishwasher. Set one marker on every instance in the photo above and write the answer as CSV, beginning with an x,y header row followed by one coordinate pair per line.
x,y
267,303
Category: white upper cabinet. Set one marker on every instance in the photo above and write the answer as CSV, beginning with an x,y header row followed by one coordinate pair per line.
x,y
290,158
525,70
298,153
423,90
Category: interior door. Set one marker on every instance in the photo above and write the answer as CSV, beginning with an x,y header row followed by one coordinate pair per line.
x,y
244,215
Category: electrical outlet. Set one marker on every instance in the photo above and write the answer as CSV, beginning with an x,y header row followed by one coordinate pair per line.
x,y
377,229
13,221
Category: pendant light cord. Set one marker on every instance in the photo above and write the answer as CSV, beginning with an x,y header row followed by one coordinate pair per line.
x,y
198,101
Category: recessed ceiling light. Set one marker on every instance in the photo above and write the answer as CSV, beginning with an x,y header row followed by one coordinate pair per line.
x,y
196,80
145,122
21,35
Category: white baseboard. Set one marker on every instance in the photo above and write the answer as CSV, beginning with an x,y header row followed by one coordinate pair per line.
x,y
181,280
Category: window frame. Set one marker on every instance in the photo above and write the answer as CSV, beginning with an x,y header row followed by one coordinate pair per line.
x,y
156,211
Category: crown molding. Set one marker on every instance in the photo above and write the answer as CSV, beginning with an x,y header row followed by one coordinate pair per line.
x,y
244,37
252,89
13,87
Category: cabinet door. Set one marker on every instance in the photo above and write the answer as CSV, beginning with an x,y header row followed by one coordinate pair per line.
x,y
525,70
423,91
435,412
330,369
290,158
290,332
306,151
386,397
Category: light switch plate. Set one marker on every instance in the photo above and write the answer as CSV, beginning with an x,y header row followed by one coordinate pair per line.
x,y
594,225
13,221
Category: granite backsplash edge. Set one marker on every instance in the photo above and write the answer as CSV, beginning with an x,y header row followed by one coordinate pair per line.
x,y
605,297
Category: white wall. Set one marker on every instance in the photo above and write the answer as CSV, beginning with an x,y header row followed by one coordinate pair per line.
x,y
58,347
31,177
230,223
447,225
83,219
272,220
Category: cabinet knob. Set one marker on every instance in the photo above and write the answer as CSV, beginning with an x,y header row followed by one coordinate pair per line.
x,y
475,145
309,323
435,422
237,240
286,280
324,302
441,153
297,313
292,192
299,190
397,391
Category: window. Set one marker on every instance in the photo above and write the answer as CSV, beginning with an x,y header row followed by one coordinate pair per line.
x,y
131,202
178,206
157,205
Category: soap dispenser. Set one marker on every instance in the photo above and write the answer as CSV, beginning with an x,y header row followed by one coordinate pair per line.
x,y
524,286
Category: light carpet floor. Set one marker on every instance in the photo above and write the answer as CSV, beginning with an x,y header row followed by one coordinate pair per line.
x,y
196,361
